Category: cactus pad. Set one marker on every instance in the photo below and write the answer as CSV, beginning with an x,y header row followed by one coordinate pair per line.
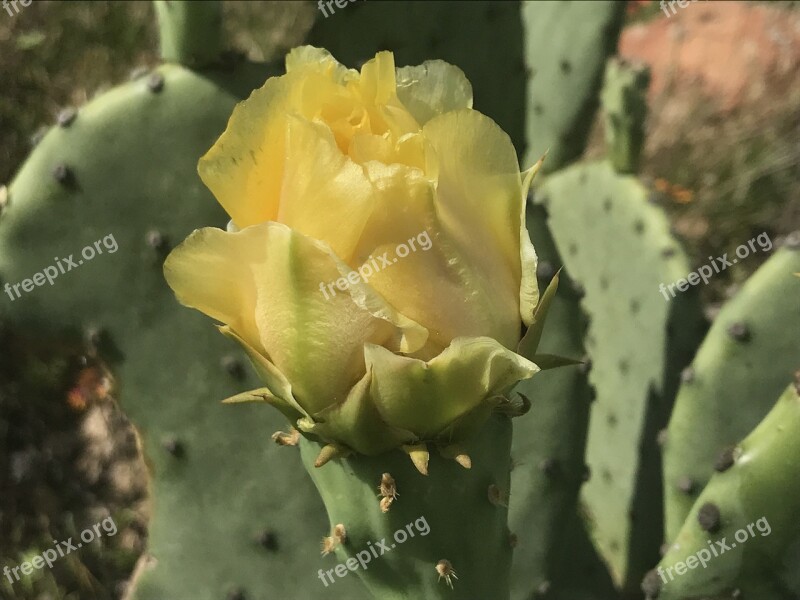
x,y
126,166
618,247
744,361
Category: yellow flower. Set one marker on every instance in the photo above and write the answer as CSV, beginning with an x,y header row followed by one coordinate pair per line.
x,y
378,269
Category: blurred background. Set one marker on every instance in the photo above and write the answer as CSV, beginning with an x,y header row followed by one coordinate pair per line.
x,y
722,151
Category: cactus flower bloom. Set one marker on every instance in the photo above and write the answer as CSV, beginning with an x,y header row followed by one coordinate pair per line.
x,y
378,269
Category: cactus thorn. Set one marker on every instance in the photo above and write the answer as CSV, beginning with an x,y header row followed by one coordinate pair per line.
x,y
66,117
63,174
543,589
725,460
513,540
138,72
330,452
456,453
446,571
687,375
586,365
233,366
464,460
155,82
662,437
95,337
709,517
340,533
792,241
268,540
651,584
156,240
419,456
739,332
685,484
387,491
174,446
338,537
497,497
545,270
550,467
286,439
327,545
37,136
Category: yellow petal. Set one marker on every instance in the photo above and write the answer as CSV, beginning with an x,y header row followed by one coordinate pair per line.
x,y
276,290
244,167
325,195
529,284
241,169
433,284
305,58
480,202
433,88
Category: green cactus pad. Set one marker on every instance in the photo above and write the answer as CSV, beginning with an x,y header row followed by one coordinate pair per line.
x,y
230,509
751,508
415,32
548,452
624,99
464,512
745,360
566,46
619,248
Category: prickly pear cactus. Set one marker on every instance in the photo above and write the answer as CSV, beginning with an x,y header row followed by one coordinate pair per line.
x,y
396,532
548,452
744,361
124,166
624,98
414,32
638,343
741,537
566,47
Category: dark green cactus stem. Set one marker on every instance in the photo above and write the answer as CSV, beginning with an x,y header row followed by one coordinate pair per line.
x,y
464,509
190,32
624,99
745,360
566,47
548,454
752,508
